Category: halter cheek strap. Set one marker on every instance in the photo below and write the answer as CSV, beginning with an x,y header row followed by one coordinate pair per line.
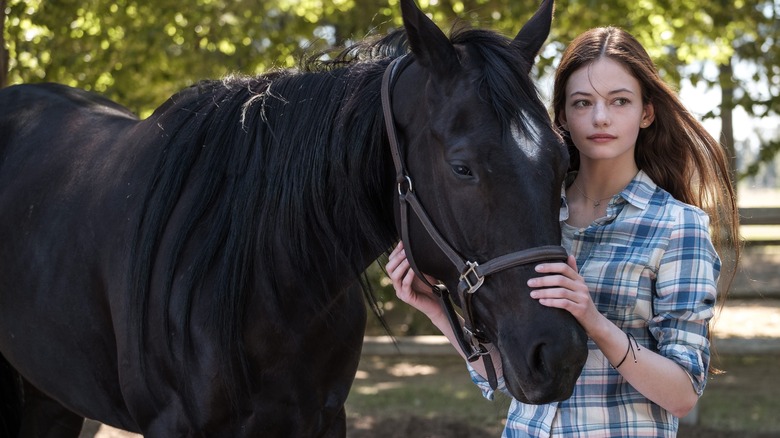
x,y
470,338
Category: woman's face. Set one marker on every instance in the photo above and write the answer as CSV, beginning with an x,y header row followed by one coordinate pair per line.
x,y
604,111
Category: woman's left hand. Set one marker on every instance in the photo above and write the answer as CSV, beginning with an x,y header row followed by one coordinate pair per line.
x,y
563,287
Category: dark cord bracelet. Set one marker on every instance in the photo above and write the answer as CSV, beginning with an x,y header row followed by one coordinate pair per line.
x,y
630,337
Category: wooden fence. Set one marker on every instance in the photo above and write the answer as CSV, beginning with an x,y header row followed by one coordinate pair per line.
x,y
761,216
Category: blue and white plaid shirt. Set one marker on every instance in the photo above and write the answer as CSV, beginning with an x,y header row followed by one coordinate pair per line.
x,y
652,270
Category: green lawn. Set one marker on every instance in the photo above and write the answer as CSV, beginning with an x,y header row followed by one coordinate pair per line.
x,y
392,391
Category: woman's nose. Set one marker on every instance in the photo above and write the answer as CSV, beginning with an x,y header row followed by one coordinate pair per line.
x,y
600,115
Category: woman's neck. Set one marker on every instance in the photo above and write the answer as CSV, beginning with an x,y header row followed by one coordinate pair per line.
x,y
598,180
596,183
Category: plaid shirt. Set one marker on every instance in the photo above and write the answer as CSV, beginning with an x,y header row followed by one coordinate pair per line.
x,y
652,270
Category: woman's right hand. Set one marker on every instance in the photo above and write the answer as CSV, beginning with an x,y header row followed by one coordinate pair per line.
x,y
408,287
413,291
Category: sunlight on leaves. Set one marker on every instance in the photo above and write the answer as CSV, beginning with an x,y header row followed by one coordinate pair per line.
x,y
166,46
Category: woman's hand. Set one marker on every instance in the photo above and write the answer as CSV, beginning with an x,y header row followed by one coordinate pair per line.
x,y
565,288
408,287
413,291
658,378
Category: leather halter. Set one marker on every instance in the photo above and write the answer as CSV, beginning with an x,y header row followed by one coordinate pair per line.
x,y
472,274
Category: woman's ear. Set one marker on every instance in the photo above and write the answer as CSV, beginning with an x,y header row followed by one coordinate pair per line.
x,y
562,120
648,115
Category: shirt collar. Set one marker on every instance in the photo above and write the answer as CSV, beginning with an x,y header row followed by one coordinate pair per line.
x,y
637,193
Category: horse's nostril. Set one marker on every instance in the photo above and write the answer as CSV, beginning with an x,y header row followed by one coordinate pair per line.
x,y
537,360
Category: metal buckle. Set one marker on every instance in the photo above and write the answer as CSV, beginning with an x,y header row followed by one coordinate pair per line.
x,y
477,348
472,286
409,187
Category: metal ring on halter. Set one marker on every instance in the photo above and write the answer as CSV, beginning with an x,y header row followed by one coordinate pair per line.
x,y
472,287
408,183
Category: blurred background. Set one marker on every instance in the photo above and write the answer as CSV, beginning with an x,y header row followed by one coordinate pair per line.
x,y
723,57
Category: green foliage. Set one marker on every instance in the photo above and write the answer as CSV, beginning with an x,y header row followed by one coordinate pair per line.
x,y
769,150
140,52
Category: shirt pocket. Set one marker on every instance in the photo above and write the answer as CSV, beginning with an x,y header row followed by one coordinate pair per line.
x,y
613,274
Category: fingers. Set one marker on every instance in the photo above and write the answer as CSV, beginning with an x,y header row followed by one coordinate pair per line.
x,y
403,277
399,270
562,286
572,262
552,281
568,269
399,248
555,293
395,258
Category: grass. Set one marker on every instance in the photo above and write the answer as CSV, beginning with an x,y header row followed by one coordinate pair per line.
x,y
422,386
743,401
746,398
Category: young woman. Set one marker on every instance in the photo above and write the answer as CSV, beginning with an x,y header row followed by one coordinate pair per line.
x,y
646,183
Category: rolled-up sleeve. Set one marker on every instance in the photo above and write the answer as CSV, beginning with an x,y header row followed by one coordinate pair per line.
x,y
483,384
685,295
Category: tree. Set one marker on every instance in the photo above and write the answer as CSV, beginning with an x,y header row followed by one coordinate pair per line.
x,y
3,52
757,45
140,52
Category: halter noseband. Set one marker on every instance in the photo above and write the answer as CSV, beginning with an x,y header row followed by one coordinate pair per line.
x,y
472,274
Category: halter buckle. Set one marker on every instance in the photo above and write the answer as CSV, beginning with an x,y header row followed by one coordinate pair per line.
x,y
474,282
477,348
404,182
439,289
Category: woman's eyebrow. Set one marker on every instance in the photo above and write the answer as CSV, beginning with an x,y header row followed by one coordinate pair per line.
x,y
615,91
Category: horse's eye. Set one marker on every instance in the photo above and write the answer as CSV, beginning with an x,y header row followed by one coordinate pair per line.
x,y
461,170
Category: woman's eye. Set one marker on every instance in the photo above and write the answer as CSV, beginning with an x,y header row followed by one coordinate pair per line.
x,y
461,170
580,103
621,101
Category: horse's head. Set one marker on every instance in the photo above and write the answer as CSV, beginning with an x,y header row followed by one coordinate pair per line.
x,y
487,167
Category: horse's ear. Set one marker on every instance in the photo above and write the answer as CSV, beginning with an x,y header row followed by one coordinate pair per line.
x,y
431,48
533,34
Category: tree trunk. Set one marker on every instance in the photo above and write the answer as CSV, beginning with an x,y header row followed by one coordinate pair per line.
x,y
726,116
3,51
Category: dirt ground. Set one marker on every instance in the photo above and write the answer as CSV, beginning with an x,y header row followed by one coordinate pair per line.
x,y
417,427
423,397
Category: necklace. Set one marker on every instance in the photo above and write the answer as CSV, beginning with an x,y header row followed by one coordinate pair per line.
x,y
596,202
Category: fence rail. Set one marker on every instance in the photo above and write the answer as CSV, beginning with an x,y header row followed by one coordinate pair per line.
x,y
760,216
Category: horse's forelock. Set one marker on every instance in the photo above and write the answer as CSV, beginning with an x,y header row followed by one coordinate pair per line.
x,y
509,89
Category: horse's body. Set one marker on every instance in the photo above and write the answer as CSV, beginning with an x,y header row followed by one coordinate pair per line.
x,y
195,273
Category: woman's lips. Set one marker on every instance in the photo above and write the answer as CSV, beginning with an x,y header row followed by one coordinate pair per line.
x,y
601,137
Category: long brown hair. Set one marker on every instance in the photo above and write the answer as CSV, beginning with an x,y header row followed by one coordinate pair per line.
x,y
675,150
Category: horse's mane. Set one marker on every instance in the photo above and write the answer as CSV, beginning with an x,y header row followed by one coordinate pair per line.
x,y
291,159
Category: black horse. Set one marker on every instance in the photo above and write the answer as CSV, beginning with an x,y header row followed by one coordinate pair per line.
x,y
197,273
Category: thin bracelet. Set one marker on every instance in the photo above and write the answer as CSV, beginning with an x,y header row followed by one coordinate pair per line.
x,y
629,336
